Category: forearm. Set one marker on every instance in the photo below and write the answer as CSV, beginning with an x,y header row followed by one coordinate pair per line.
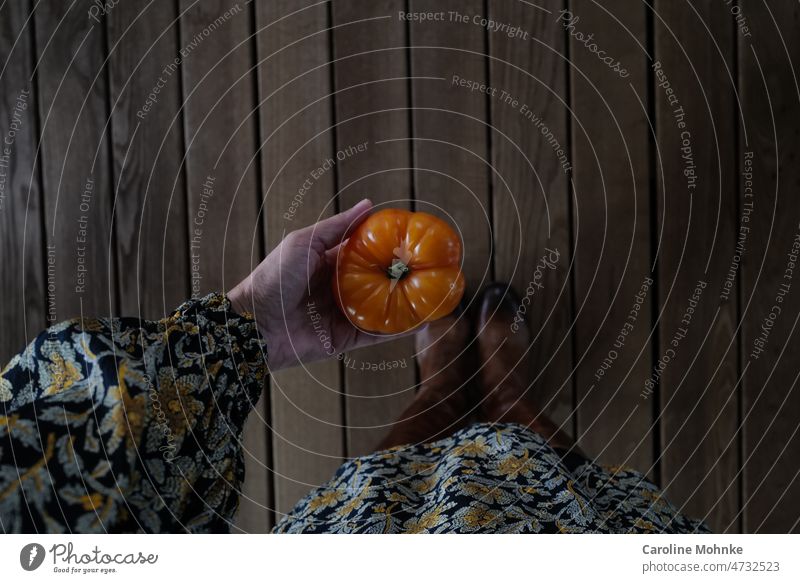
x,y
123,424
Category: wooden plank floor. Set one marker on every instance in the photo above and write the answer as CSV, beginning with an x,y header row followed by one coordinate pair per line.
x,y
769,297
660,183
613,259
699,393
24,273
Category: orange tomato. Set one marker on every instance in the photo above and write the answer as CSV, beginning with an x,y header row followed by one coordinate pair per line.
x,y
398,270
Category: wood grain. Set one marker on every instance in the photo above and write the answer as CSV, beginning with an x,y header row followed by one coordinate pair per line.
x,y
150,216
370,80
720,431
530,189
451,162
224,230
23,271
612,231
771,106
76,170
698,219
297,111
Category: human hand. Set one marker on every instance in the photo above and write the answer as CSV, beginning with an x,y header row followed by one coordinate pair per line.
x,y
290,295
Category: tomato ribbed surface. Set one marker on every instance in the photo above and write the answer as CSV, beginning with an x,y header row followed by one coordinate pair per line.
x,y
398,270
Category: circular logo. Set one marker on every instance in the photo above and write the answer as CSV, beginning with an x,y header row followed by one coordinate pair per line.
x,y
31,556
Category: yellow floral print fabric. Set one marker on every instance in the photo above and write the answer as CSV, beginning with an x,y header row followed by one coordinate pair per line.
x,y
485,478
124,425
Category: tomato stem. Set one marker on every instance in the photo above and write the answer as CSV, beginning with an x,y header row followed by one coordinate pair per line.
x,y
397,270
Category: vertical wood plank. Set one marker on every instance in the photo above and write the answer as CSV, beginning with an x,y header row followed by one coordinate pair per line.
x,y
451,165
770,295
530,190
612,230
370,80
698,386
23,284
77,177
219,97
224,231
295,86
150,215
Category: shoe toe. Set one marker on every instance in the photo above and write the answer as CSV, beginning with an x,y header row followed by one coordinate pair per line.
x,y
498,300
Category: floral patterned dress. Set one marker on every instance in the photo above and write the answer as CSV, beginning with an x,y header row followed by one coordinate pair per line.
x,y
124,425
485,478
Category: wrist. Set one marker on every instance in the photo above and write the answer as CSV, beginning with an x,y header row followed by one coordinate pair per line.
x,y
242,302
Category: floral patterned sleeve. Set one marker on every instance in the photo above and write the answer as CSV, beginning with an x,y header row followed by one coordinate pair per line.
x,y
125,425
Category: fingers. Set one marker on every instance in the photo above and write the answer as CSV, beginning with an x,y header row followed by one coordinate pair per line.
x,y
332,231
332,254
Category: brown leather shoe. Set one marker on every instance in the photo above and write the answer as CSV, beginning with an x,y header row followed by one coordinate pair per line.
x,y
503,339
441,406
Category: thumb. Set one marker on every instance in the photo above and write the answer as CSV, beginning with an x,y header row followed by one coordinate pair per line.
x,y
332,231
